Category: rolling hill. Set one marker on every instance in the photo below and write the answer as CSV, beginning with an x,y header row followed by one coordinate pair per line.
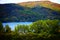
x,y
47,4
30,13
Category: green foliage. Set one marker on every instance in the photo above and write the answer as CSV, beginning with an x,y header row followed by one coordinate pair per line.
x,y
39,30
18,13
1,27
45,27
22,28
7,29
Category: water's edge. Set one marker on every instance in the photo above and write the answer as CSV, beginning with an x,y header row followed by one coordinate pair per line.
x,y
13,24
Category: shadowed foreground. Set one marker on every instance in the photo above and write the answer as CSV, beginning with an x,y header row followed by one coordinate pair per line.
x,y
39,30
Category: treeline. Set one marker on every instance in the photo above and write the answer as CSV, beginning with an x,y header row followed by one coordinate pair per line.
x,y
39,30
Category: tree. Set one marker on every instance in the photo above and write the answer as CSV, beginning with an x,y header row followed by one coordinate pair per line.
x,y
38,26
45,24
53,25
22,28
1,27
7,29
45,27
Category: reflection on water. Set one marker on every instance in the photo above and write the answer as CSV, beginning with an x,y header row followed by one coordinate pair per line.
x,y
13,24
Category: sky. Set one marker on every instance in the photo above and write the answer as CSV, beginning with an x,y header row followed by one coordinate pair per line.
x,y
19,1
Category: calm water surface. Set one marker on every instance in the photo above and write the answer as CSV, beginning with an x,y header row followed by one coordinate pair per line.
x,y
13,24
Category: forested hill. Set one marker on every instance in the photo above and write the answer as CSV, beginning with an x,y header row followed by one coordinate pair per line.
x,y
18,13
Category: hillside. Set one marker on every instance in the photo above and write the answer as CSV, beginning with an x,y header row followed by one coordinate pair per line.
x,y
47,4
19,13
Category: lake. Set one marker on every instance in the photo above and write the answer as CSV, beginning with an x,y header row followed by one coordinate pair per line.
x,y
13,24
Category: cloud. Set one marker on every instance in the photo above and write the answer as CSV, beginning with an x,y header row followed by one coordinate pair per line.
x,y
56,1
15,1
18,1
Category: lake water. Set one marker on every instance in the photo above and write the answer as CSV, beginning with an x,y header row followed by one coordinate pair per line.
x,y
13,24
